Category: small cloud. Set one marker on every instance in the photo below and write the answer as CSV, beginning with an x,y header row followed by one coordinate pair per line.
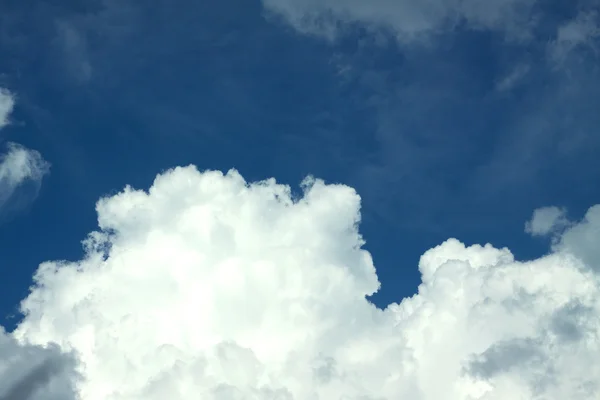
x,y
7,102
75,48
512,79
546,220
21,174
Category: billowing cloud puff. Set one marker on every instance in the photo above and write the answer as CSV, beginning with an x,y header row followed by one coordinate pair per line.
x,y
206,286
408,20
20,164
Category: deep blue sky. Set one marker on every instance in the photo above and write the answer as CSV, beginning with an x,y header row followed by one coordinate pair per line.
x,y
112,94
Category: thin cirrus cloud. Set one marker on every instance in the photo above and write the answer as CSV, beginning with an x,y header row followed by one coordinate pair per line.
x,y
407,20
7,102
21,169
514,77
578,32
207,286
410,21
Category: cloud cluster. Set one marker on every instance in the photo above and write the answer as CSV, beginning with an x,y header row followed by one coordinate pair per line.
x,y
18,166
206,286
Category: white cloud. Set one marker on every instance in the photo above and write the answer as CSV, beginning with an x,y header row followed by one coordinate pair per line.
x,y
407,19
20,163
17,167
208,287
546,220
7,102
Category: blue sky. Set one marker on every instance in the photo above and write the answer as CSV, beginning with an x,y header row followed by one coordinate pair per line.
x,y
450,119
460,133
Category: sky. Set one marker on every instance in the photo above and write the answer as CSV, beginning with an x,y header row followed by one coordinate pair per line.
x,y
292,199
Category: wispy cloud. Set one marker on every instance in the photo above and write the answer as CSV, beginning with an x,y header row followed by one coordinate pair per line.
x,y
509,81
20,167
546,220
20,164
7,102
471,116
580,31
21,174
75,50
407,20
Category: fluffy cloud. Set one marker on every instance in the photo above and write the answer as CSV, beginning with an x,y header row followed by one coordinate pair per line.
x,y
408,20
206,286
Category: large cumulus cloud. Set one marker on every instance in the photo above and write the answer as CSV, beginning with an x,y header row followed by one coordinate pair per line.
x,y
206,286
